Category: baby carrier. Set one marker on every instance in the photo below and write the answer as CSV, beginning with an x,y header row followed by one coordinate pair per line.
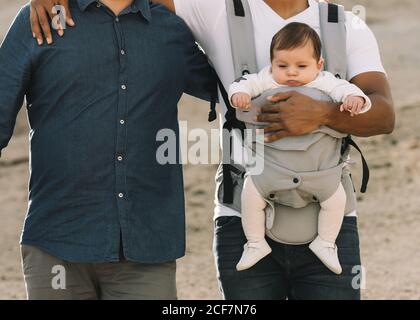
x,y
296,222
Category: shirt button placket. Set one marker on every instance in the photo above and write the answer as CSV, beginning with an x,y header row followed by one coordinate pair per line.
x,y
121,138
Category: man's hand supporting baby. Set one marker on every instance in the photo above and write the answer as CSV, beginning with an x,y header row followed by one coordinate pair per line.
x,y
291,114
294,114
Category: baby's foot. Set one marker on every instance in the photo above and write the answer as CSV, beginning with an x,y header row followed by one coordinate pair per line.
x,y
253,252
327,252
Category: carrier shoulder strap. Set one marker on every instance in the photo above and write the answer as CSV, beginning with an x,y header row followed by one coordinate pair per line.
x,y
332,19
241,31
334,50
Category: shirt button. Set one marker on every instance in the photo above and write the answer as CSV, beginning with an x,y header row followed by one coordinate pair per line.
x,y
122,52
296,180
123,87
117,19
122,121
120,195
120,158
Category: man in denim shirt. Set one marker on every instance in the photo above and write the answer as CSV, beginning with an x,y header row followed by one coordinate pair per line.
x,y
103,213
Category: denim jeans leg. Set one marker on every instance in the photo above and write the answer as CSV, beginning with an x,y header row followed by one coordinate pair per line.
x,y
265,281
311,280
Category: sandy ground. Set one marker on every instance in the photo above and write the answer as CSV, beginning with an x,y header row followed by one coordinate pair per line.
x,y
389,214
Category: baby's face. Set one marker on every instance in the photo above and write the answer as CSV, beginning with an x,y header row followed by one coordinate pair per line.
x,y
295,67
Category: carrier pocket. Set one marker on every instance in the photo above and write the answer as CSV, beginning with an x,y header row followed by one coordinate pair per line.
x,y
238,183
297,189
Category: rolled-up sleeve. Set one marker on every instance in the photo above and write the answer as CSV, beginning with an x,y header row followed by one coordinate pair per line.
x,y
15,69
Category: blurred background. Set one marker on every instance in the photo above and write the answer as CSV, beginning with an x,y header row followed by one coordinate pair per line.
x,y
389,214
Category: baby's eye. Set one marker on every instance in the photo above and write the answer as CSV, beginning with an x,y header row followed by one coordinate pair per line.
x,y
282,66
302,66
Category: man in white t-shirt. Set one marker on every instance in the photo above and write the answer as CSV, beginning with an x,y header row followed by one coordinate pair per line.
x,y
290,271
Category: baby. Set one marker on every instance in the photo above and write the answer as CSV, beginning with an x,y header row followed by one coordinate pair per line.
x,y
295,61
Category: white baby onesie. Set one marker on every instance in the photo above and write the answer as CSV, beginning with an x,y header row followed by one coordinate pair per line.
x,y
337,89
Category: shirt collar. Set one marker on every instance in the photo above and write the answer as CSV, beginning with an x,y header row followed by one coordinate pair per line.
x,y
142,6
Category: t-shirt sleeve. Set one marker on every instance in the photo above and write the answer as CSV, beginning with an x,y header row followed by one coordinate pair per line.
x,y
201,16
362,48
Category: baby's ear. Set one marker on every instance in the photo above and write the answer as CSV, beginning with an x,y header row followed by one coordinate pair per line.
x,y
321,64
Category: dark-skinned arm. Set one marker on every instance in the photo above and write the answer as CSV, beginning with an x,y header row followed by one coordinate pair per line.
x,y
293,114
42,13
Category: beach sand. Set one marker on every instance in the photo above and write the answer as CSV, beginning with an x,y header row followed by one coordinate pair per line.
x,y
388,214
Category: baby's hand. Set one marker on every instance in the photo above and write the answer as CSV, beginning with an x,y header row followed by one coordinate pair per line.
x,y
241,100
353,104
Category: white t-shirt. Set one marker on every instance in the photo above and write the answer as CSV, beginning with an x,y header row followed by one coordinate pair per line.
x,y
207,20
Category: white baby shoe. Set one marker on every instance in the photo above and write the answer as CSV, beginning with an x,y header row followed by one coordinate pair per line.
x,y
327,252
253,252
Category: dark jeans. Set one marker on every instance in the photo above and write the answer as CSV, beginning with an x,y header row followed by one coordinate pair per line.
x,y
291,272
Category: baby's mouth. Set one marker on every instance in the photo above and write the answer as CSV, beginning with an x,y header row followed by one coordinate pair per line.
x,y
293,83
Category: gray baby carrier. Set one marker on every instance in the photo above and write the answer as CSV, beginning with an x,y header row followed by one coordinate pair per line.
x,y
292,216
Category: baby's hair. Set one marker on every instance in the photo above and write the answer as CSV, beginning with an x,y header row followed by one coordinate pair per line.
x,y
295,35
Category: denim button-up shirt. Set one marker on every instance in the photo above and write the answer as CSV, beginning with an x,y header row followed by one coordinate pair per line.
x,y
96,100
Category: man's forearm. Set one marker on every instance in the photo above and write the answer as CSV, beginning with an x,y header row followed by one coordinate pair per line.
x,y
379,120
